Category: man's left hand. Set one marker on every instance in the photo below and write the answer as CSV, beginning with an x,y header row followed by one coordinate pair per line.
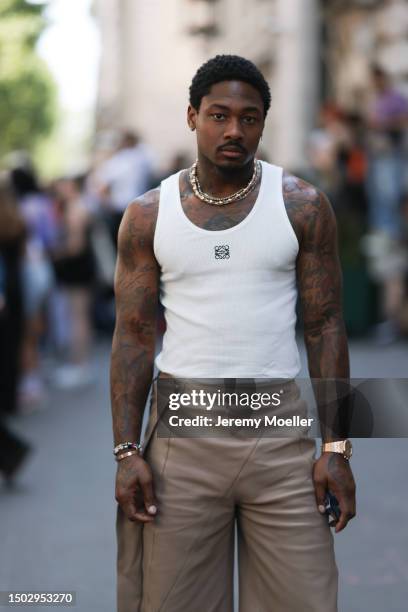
x,y
332,472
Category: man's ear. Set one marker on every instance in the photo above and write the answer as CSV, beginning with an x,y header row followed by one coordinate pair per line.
x,y
191,117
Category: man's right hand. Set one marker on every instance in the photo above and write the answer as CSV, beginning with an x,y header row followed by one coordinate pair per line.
x,y
134,489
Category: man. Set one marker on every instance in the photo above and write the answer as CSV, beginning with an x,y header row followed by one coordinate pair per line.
x,y
123,177
228,285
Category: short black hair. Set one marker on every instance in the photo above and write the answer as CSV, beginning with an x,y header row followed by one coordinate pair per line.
x,y
228,68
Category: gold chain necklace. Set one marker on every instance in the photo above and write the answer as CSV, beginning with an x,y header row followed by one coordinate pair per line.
x,y
234,197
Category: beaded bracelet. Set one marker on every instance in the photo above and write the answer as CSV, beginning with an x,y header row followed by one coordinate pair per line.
x,y
126,445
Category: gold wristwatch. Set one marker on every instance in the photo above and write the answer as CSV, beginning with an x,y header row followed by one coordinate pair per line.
x,y
341,446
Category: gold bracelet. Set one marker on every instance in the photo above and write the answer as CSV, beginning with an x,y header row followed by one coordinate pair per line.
x,y
124,455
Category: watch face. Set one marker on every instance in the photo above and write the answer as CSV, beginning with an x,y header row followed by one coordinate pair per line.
x,y
348,449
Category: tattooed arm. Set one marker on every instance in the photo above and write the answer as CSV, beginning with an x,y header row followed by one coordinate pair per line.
x,y
320,284
136,293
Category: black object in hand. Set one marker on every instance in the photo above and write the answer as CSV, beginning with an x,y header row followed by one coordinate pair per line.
x,y
331,506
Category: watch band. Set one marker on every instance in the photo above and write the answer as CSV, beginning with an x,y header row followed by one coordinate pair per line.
x,y
343,447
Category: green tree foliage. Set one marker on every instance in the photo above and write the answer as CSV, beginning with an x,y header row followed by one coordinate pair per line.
x,y
27,91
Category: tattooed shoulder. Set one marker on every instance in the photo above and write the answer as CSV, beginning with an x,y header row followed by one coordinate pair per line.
x,y
150,199
136,231
141,216
145,207
304,204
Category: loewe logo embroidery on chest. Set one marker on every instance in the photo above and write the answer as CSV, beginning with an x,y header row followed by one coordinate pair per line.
x,y
222,251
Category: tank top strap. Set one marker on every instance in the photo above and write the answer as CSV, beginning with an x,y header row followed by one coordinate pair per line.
x,y
167,216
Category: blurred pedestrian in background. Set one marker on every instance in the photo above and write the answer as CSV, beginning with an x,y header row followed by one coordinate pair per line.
x,y
353,161
387,121
38,279
13,450
330,137
123,177
75,272
349,197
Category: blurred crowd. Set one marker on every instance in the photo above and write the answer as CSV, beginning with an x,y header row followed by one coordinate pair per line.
x,y
359,159
58,245
57,261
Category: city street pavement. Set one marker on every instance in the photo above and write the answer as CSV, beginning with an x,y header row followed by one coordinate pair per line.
x,y
57,524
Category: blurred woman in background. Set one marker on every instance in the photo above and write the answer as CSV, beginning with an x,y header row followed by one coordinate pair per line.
x,y
75,271
38,279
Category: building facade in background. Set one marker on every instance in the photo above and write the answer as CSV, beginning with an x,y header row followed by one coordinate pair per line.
x,y
309,50
356,34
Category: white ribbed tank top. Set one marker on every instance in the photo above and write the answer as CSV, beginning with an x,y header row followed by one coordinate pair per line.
x,y
229,295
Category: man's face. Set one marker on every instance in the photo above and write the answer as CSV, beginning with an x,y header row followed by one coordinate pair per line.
x,y
229,123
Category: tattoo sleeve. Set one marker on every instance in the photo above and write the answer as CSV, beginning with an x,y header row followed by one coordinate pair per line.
x,y
136,295
320,288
